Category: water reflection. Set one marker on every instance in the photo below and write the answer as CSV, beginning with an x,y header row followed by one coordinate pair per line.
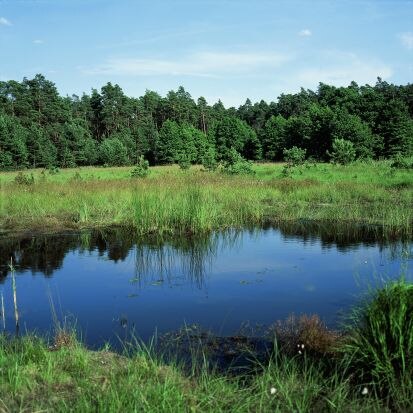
x,y
155,256
112,282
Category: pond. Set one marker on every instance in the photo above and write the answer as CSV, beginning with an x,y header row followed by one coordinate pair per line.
x,y
112,283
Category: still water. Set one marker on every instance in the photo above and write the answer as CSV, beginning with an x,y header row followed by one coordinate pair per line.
x,y
112,283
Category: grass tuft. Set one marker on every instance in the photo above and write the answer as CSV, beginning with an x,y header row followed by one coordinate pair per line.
x,y
380,344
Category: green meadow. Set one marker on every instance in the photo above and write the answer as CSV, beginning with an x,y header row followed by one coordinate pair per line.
x,y
172,200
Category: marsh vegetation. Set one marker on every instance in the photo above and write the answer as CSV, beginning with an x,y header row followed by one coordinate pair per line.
x,y
171,200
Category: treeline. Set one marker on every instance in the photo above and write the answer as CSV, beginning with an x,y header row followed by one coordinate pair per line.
x,y
40,128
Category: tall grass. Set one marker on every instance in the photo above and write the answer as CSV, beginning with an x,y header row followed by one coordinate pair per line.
x,y
195,201
35,378
14,288
380,344
3,315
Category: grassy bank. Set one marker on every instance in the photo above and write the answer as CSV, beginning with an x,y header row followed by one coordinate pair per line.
x,y
171,200
369,369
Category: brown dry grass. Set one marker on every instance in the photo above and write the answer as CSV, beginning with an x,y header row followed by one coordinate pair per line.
x,y
306,333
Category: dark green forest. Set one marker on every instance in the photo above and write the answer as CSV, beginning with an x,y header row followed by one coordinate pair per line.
x,y
40,128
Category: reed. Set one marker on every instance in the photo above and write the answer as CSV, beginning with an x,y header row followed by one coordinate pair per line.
x,y
3,313
13,280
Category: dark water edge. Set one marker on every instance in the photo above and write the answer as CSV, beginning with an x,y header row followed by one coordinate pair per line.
x,y
113,285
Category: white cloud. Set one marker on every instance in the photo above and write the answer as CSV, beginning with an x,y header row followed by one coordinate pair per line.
x,y
305,33
38,41
407,40
339,69
4,22
205,64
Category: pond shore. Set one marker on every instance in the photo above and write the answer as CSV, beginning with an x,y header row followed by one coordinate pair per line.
x,y
311,369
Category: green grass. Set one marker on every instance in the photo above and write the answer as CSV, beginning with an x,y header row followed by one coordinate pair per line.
x,y
72,378
170,200
380,346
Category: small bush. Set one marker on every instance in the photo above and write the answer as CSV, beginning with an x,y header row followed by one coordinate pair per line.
x,y
53,170
23,179
305,334
237,165
76,177
184,163
183,159
402,162
343,152
294,156
141,169
113,152
209,161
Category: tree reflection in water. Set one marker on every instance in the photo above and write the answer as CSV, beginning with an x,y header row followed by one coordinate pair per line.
x,y
156,256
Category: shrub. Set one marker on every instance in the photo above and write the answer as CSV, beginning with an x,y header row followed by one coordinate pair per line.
x,y
294,156
237,165
380,345
402,162
53,170
343,152
113,152
76,177
141,169
209,161
305,334
184,162
23,179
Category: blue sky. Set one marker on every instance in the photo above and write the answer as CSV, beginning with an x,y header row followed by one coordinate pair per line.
x,y
228,49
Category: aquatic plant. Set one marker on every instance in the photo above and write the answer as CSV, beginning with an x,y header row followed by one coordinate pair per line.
x,y
3,314
13,279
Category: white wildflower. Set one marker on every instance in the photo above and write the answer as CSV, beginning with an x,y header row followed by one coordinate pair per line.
x,y
365,391
273,390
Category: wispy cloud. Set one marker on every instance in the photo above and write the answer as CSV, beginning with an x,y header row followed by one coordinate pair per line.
x,y
407,40
205,64
4,22
340,68
305,33
38,41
